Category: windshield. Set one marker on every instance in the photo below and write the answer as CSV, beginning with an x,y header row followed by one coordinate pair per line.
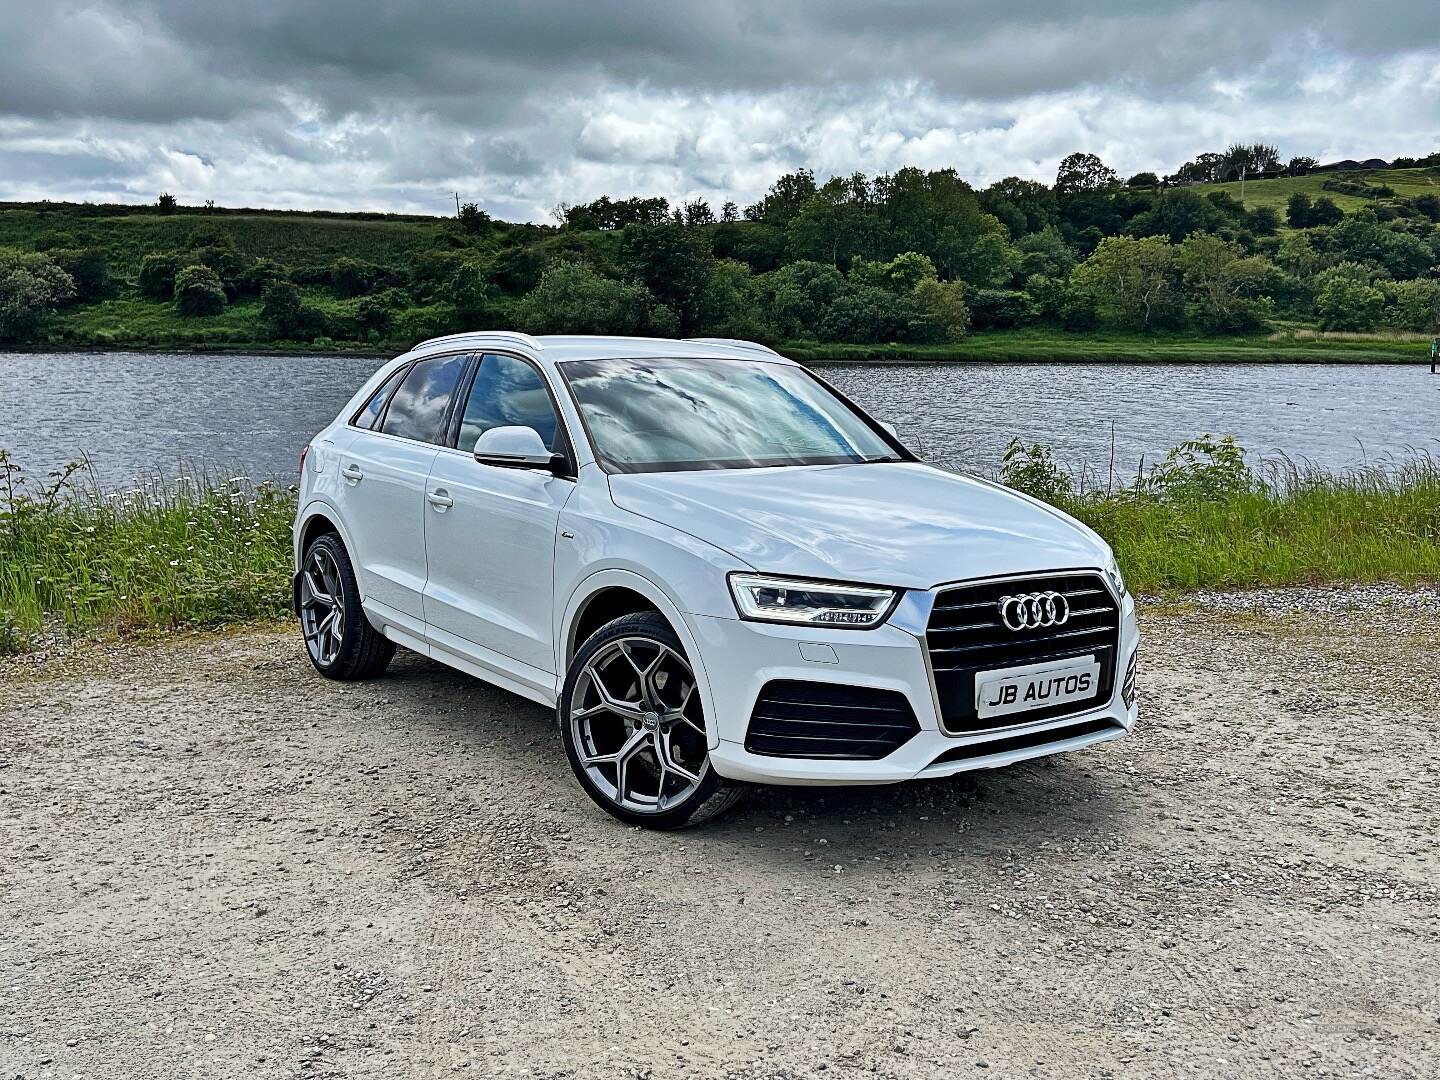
x,y
669,415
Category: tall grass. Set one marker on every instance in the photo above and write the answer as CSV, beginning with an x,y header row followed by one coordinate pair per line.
x,y
195,550
1204,518
201,550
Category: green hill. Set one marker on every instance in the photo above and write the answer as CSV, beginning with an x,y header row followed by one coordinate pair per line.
x,y
1274,193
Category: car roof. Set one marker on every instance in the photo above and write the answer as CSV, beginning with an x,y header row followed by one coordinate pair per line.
x,y
558,348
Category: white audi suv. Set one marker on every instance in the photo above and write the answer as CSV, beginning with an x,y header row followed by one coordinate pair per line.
x,y
715,567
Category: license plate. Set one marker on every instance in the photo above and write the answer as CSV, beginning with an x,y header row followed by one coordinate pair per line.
x,y
1035,686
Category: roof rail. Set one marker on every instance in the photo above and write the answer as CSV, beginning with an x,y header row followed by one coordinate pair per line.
x,y
501,335
737,343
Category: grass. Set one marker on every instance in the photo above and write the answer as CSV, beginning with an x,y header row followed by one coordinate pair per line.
x,y
1275,193
192,551
1040,345
201,551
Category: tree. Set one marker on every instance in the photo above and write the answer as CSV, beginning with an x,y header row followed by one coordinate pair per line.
x,y
1415,305
31,287
199,292
784,199
865,315
999,309
1217,277
157,274
729,212
698,212
573,299
1346,304
286,315
354,277
1143,180
1176,214
941,307
89,270
1301,166
1084,172
472,295
1045,252
799,294
1325,212
1262,220
938,214
471,218
1025,206
672,262
166,203
1247,160
1132,283
1298,210
1204,169
900,275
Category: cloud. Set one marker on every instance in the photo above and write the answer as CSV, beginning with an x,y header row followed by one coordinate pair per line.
x,y
367,103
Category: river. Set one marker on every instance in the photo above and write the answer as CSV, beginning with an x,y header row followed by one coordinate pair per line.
x,y
135,413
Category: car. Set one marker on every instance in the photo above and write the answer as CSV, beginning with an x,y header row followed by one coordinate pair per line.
x,y
716,568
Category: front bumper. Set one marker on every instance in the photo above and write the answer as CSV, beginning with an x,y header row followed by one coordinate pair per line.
x,y
741,657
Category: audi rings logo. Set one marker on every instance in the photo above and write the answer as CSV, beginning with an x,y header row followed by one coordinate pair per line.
x,y
1034,611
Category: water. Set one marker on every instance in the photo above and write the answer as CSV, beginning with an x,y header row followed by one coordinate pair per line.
x,y
133,413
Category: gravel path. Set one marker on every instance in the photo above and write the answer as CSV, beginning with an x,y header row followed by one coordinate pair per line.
x,y
214,864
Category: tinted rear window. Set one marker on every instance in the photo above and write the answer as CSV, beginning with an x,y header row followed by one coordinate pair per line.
x,y
367,416
417,411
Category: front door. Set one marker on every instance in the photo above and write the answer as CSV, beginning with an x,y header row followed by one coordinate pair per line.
x,y
490,532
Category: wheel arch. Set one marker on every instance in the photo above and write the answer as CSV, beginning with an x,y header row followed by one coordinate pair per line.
x,y
620,587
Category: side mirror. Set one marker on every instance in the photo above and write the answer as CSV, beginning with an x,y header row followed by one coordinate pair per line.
x,y
890,428
516,448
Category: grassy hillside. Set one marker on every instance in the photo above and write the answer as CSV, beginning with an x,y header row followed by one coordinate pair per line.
x,y
127,234
1274,193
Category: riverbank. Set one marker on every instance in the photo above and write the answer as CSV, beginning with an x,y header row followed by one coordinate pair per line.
x,y
208,552
256,872
993,346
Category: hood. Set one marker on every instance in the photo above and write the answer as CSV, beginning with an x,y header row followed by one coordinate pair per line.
x,y
902,524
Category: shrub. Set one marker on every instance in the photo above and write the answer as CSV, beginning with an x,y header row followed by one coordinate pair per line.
x,y
157,274
199,292
943,314
1032,469
1415,306
571,298
31,286
287,317
999,309
1346,304
88,269
353,277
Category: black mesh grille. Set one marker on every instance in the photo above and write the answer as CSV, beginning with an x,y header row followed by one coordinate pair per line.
x,y
966,636
822,720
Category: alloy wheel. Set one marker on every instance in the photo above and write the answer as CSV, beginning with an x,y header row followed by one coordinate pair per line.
x,y
637,725
322,606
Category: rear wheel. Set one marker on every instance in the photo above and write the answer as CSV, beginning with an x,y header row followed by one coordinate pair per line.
x,y
339,640
634,728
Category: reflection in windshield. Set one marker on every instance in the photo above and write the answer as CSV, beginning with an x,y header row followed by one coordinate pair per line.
x,y
659,415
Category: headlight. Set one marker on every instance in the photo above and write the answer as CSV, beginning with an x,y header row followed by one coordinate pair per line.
x,y
1112,571
812,603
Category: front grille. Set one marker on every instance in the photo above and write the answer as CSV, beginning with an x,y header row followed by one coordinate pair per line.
x,y
1030,739
966,636
823,720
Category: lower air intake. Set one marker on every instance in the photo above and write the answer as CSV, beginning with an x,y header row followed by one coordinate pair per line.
x,y
823,720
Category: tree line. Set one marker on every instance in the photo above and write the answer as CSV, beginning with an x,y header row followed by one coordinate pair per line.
x,y
913,256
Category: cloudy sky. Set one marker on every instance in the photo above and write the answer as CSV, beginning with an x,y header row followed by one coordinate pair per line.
x,y
369,104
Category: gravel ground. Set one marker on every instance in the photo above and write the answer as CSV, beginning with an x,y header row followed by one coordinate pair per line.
x,y
214,864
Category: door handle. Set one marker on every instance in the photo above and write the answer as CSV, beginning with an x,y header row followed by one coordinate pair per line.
x,y
352,473
440,500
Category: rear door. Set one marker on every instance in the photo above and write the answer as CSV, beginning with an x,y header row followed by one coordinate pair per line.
x,y
383,473
490,532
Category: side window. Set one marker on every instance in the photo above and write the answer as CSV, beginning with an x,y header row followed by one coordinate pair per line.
x,y
370,414
417,410
507,392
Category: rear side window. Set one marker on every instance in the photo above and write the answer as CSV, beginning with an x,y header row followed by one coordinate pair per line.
x,y
507,392
368,416
417,411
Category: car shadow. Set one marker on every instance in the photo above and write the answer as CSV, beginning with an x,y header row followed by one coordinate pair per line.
x,y
1033,803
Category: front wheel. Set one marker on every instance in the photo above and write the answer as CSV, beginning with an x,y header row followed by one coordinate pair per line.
x,y
634,729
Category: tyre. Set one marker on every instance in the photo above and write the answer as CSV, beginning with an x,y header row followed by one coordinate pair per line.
x,y
634,729
339,639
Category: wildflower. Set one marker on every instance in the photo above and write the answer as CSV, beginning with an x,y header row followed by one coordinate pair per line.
x,y
174,562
